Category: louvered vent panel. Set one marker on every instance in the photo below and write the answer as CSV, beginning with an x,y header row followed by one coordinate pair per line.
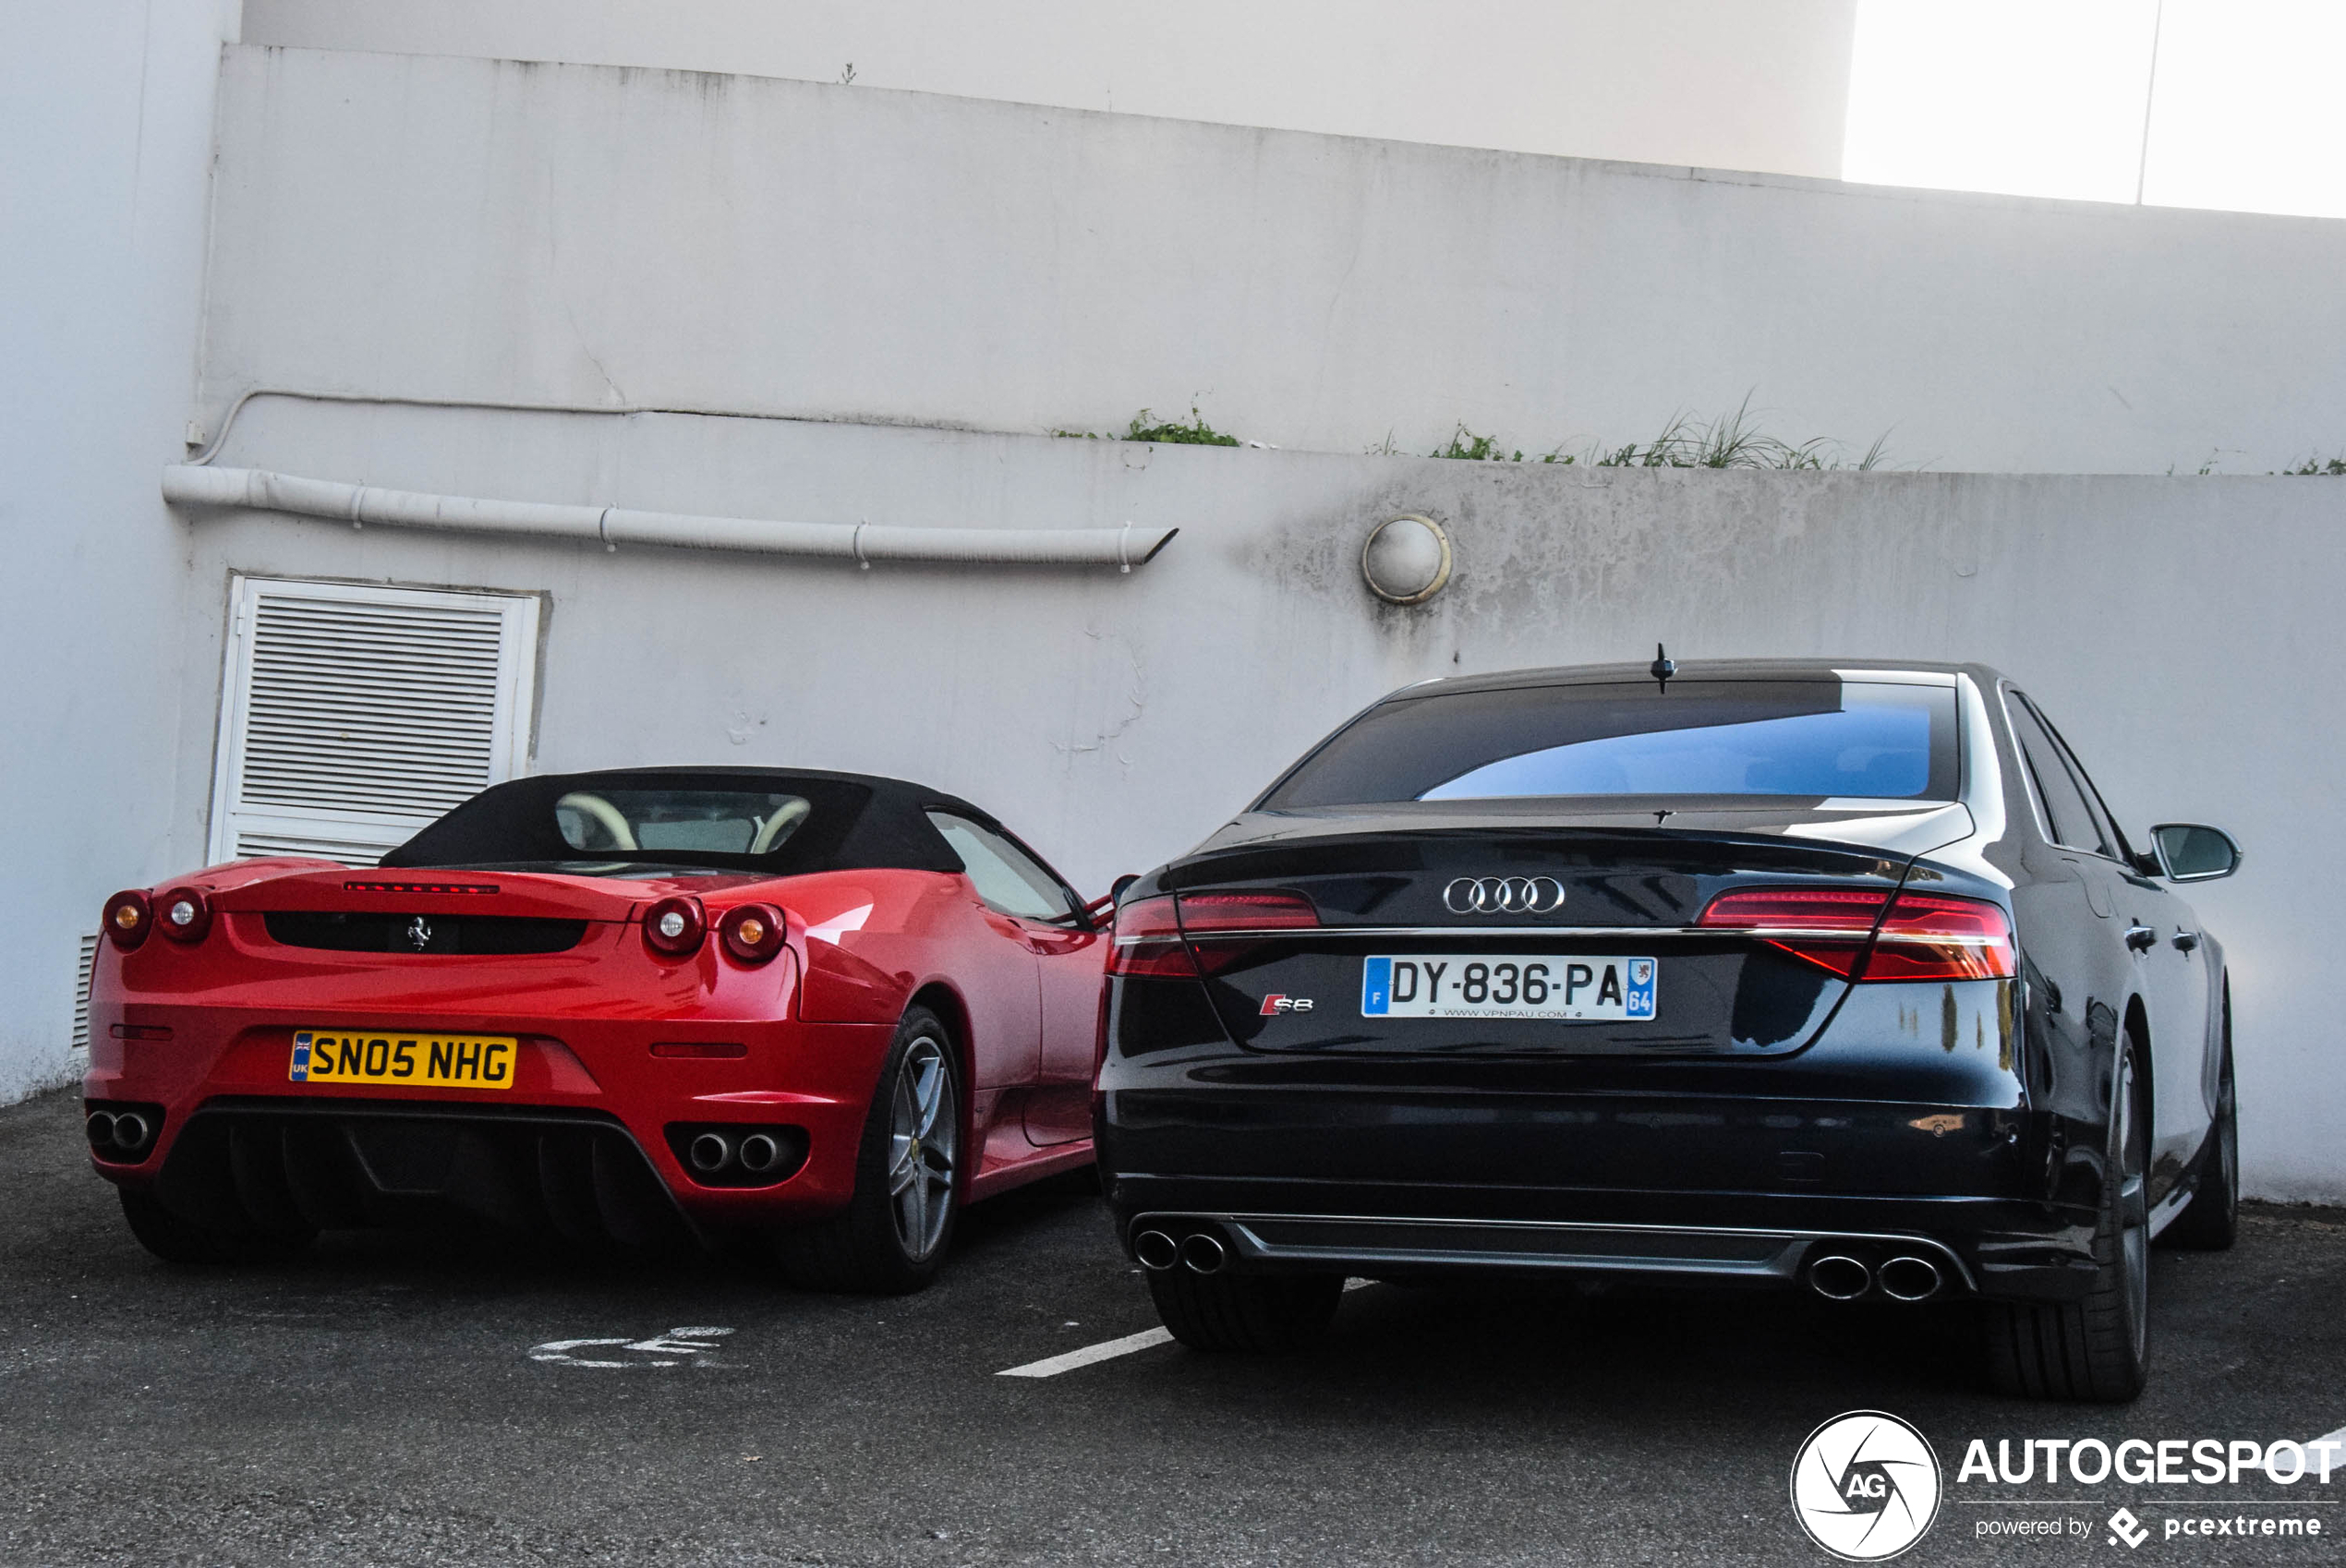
x,y
81,991
355,714
349,851
387,709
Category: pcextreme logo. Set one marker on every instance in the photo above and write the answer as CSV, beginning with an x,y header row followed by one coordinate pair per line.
x,y
1866,1486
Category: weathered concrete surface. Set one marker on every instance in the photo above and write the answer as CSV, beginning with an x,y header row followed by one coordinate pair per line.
x,y
2176,629
455,227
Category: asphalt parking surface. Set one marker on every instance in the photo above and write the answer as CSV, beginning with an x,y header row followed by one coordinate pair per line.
x,y
377,1402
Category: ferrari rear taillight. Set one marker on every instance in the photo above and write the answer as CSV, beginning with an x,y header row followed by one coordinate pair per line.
x,y
751,932
184,914
674,927
1147,941
1846,931
127,919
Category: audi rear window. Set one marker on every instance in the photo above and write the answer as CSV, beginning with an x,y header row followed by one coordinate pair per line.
x,y
1801,739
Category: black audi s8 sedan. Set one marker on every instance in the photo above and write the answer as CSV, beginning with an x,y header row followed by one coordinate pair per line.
x,y
1822,975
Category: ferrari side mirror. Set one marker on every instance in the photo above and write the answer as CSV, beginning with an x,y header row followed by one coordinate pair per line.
x,y
1116,890
2190,851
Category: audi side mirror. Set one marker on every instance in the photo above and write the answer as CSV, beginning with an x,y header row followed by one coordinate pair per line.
x,y
2192,851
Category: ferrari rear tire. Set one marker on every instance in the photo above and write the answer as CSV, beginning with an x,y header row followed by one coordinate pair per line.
x,y
893,1234
176,1240
1263,1313
2095,1350
2211,1219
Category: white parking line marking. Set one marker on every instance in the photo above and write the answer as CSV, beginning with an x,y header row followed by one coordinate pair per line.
x,y
1109,1350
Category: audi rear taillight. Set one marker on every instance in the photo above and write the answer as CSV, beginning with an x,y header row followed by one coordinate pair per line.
x,y
1223,927
751,932
1147,941
1848,932
1828,926
1153,936
129,918
674,927
1204,914
1930,936
184,914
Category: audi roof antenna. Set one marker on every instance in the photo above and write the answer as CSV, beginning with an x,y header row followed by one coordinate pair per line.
x,y
1662,668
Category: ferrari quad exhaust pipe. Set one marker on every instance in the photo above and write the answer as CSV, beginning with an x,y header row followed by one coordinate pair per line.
x,y
1155,1250
1910,1279
1838,1277
1203,1254
100,1129
709,1154
759,1154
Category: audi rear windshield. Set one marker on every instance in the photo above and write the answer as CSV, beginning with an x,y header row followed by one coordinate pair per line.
x,y
1804,738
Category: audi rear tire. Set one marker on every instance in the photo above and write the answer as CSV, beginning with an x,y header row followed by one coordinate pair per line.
x,y
1263,1313
2095,1350
2211,1220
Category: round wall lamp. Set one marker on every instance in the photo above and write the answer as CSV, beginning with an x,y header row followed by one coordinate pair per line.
x,y
1407,560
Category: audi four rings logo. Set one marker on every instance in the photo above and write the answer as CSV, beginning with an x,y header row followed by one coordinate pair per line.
x,y
1503,895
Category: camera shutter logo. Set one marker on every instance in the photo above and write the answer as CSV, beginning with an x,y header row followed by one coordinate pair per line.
x,y
1503,895
1866,1486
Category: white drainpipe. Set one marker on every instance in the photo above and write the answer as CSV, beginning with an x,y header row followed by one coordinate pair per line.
x,y
188,484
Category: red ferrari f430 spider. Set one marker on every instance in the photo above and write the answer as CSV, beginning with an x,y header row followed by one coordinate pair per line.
x,y
627,1006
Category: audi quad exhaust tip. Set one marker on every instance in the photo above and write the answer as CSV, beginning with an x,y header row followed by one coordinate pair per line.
x,y
1910,1279
1838,1277
1155,1250
1203,1254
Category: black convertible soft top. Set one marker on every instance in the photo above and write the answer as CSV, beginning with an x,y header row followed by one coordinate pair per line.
x,y
857,822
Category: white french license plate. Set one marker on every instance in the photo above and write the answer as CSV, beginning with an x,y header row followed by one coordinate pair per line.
x,y
1507,985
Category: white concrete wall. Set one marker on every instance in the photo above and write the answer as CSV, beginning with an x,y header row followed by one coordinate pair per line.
x,y
2175,628
1735,84
105,116
458,227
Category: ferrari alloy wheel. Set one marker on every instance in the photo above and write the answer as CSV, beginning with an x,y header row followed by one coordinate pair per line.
x,y
2093,1349
893,1233
1256,1312
921,1147
2212,1217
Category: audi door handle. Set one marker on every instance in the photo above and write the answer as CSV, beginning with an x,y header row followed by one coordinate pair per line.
x,y
2140,938
2186,940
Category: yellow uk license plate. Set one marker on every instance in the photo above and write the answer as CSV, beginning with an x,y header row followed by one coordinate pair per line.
x,y
423,1061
